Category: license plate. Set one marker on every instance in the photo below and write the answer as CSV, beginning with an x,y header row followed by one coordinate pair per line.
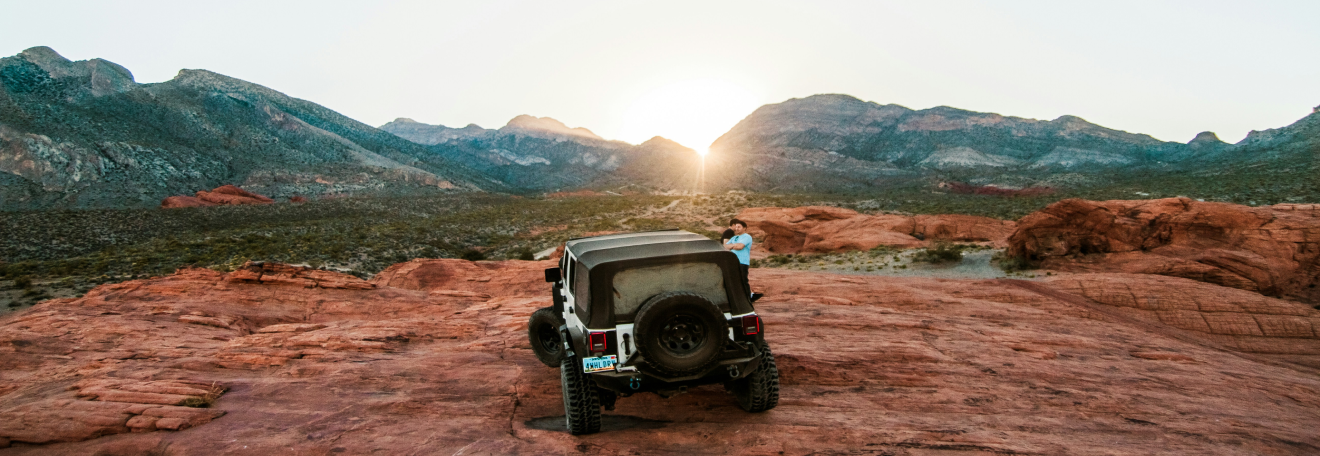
x,y
600,363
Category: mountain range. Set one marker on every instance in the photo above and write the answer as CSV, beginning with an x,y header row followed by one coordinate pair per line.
x,y
85,134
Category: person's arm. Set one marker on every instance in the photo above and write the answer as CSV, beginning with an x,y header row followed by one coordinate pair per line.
x,y
737,246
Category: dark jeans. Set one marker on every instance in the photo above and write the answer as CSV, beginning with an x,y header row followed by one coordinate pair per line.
x,y
746,286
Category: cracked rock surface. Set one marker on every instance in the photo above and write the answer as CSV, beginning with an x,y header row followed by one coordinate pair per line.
x,y
431,357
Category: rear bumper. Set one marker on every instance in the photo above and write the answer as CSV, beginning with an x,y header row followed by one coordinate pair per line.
x,y
734,363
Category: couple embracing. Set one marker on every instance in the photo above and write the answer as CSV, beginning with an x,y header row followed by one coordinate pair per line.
x,y
737,240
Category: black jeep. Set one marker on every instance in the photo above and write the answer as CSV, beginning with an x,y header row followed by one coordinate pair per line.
x,y
659,312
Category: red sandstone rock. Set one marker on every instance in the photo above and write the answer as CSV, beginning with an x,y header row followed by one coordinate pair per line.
x,y
435,360
223,195
298,199
819,229
231,195
183,201
1272,250
283,274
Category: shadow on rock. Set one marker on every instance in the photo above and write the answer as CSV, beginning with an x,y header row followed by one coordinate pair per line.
x,y
607,423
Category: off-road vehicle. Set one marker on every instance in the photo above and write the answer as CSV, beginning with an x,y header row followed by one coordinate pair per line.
x,y
660,312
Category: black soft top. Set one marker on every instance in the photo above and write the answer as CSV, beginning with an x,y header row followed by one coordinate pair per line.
x,y
597,250
603,256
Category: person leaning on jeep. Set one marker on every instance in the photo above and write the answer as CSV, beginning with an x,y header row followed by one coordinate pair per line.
x,y
741,245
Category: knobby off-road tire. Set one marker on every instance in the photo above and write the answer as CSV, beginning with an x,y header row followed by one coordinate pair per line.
x,y
581,401
680,333
543,334
759,391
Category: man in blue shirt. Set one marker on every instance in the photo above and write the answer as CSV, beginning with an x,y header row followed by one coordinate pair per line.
x,y
741,246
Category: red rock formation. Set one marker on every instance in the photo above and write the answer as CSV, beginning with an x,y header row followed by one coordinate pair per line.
x,y
1273,250
435,360
223,195
231,195
298,199
817,229
183,201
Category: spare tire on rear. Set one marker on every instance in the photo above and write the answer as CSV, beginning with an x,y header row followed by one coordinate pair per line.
x,y
680,333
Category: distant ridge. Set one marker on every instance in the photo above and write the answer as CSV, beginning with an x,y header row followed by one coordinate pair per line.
x,y
541,154
84,134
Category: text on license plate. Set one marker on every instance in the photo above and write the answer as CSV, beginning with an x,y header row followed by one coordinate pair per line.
x,y
600,363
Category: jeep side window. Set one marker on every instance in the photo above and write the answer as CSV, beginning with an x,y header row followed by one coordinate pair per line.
x,y
580,291
568,276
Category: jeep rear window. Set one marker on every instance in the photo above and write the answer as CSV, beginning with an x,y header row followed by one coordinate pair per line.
x,y
632,287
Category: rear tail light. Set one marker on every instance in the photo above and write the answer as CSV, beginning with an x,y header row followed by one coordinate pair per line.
x,y
598,342
751,325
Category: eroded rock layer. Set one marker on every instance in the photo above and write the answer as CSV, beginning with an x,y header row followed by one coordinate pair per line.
x,y
819,229
1274,250
434,359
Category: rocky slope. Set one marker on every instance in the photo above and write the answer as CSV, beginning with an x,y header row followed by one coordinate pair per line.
x,y
542,154
84,134
1274,250
432,357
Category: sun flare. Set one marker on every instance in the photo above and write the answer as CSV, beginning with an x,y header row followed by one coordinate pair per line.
x,y
692,112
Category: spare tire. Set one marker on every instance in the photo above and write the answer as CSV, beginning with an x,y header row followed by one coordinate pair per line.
x,y
680,333
543,334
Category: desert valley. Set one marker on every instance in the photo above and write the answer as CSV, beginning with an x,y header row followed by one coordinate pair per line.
x,y
208,265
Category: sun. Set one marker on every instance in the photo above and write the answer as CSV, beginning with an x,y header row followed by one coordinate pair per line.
x,y
693,112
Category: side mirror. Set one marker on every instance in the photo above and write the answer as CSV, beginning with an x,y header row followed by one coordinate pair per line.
x,y
552,275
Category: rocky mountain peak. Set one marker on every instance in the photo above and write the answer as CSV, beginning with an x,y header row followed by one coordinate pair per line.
x,y
548,125
660,142
103,77
1071,120
1205,138
404,120
45,57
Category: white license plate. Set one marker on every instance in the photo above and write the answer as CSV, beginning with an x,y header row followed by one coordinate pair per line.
x,y
600,363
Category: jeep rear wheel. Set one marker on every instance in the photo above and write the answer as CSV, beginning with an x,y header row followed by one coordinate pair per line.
x,y
680,333
759,391
581,400
543,334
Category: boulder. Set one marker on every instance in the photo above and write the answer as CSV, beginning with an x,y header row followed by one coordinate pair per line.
x,y
1273,250
822,229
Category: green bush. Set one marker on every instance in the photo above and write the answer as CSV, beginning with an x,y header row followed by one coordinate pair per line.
x,y
1011,263
472,255
942,252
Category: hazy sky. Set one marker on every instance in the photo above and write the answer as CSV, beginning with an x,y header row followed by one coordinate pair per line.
x,y
690,70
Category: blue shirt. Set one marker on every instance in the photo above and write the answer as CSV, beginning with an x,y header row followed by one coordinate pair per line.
x,y
744,255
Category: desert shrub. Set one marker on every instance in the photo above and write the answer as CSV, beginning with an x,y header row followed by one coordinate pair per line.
x,y
942,252
1012,263
472,255
23,282
205,400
